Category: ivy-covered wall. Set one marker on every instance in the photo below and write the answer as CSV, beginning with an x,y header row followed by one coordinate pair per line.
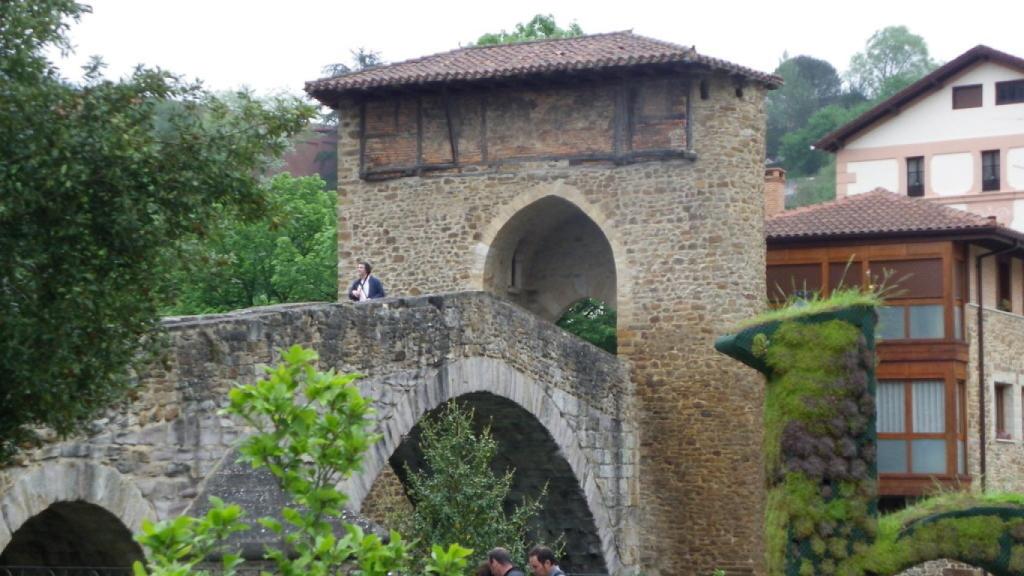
x,y
820,444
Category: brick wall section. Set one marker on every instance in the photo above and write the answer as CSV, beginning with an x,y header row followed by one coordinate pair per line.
x,y
588,118
1004,356
687,237
774,191
387,504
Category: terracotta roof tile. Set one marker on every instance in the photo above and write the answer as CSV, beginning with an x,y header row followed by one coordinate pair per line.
x,y
593,52
879,213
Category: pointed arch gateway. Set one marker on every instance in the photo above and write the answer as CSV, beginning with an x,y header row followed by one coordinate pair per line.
x,y
548,249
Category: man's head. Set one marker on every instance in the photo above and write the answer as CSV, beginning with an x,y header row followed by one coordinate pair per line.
x,y
500,561
364,269
542,560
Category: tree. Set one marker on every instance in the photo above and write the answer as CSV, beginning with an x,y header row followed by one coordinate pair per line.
x,y
100,183
312,429
799,159
362,59
541,27
821,187
592,320
892,59
809,85
458,497
289,255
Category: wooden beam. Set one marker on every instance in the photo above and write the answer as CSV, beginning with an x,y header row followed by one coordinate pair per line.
x,y
453,140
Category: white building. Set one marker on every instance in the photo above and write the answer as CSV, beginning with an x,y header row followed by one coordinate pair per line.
x,y
956,136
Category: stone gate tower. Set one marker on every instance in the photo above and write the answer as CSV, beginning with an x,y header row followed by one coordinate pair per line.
x,y
610,166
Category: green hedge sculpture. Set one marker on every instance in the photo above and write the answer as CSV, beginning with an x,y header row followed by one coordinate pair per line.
x,y
820,445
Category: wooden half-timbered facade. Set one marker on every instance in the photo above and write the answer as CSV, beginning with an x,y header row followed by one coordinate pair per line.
x,y
931,263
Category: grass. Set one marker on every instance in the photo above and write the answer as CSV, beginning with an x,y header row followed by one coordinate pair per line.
x,y
799,307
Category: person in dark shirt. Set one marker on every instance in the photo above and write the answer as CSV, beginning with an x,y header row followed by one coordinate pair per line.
x,y
367,286
501,563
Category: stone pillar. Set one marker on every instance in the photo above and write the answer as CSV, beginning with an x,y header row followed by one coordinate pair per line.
x,y
700,265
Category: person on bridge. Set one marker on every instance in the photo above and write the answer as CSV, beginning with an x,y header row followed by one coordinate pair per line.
x,y
367,286
501,563
543,562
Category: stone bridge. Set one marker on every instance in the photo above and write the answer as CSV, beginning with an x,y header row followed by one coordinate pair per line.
x,y
561,409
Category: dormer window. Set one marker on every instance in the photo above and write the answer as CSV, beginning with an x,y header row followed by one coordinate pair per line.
x,y
1011,92
967,96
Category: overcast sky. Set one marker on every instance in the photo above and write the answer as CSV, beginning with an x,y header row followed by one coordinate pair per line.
x,y
277,45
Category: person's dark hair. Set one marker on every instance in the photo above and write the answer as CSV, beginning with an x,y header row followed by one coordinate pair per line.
x,y
500,555
542,554
367,265
484,569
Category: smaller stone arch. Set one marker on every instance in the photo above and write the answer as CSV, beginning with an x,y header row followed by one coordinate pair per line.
x,y
479,374
541,198
71,481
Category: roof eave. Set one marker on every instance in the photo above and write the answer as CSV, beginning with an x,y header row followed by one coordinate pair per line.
x,y
836,139
1001,235
326,94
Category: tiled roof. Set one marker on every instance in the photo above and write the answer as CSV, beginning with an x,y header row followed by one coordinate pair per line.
x,y
876,214
594,52
934,81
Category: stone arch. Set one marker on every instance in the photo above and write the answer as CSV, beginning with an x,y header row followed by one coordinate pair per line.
x,y
474,375
548,202
72,534
71,481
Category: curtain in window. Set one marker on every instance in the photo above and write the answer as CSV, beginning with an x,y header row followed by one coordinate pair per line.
x,y
890,407
929,407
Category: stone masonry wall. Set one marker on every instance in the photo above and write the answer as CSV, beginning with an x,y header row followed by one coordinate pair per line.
x,y
687,239
154,456
1004,364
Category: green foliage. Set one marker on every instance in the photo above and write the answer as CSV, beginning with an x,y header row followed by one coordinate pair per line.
x,y
892,58
361,59
540,27
101,181
312,429
179,545
592,320
288,255
809,85
814,189
799,159
801,307
819,450
458,497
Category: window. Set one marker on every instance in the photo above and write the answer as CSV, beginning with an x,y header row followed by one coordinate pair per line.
x,y
990,170
912,437
1002,405
967,96
1011,92
1003,283
915,309
915,176
793,280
